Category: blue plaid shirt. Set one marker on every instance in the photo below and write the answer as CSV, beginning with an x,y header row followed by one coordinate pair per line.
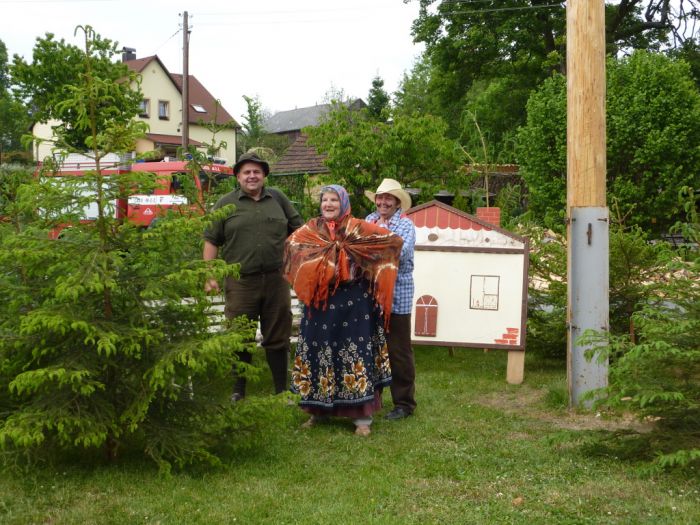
x,y
403,291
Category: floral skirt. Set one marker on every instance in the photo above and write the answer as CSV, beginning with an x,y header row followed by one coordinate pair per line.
x,y
341,362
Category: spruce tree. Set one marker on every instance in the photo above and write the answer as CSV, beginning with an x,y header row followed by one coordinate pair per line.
x,y
98,348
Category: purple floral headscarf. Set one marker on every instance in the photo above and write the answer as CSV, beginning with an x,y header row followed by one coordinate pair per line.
x,y
342,194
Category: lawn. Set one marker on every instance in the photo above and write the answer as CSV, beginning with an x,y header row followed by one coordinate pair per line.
x,y
477,451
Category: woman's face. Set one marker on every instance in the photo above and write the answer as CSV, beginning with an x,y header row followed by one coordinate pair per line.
x,y
330,205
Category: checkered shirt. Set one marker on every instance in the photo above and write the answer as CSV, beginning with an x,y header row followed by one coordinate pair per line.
x,y
403,291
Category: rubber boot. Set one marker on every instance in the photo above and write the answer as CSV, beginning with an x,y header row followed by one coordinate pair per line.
x,y
240,383
278,360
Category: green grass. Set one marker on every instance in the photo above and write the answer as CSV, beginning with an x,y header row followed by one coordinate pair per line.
x,y
477,451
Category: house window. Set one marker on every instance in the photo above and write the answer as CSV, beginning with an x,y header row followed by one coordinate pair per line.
x,y
163,110
484,292
199,108
145,108
426,316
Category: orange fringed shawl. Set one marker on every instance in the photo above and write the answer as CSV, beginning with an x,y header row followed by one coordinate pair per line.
x,y
318,258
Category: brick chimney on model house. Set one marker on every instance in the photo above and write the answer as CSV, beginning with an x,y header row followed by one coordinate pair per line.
x,y
491,215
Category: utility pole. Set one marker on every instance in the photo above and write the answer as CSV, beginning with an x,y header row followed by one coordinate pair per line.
x,y
185,83
587,213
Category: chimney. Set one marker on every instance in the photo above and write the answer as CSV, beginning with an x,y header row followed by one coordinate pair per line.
x,y
128,53
491,215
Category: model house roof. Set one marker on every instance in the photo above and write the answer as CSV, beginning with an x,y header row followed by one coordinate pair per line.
x,y
296,119
440,225
203,105
300,158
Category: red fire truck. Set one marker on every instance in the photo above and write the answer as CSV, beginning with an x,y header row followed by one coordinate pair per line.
x,y
141,209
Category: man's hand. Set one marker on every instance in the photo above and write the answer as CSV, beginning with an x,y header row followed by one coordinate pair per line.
x,y
211,285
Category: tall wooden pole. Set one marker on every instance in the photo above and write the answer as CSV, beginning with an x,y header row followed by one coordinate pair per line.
x,y
587,214
185,82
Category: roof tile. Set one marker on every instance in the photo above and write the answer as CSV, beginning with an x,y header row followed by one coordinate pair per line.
x,y
300,158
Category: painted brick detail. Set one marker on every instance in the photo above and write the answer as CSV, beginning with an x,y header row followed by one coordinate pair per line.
x,y
490,215
510,337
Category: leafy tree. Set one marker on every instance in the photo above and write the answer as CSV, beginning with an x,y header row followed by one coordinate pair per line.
x,y
690,52
413,96
57,70
254,136
253,126
98,350
485,57
377,99
653,142
411,149
541,150
14,116
470,46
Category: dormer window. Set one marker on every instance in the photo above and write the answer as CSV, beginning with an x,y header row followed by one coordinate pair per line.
x,y
145,108
199,108
163,110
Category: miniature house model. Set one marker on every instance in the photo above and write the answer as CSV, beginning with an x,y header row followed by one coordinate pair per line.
x,y
471,282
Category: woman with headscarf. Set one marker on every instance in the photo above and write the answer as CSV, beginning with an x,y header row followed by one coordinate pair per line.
x,y
343,270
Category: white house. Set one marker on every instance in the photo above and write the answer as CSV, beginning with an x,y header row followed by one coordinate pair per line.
x,y
471,282
161,109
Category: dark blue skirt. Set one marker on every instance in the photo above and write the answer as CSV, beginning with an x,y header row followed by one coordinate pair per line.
x,y
341,362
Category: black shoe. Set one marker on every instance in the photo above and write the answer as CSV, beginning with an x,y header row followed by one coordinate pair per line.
x,y
397,413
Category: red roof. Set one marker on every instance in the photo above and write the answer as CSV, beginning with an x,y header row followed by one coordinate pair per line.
x,y
300,158
198,94
436,214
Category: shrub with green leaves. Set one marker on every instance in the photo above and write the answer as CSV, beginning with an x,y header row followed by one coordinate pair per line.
x,y
653,142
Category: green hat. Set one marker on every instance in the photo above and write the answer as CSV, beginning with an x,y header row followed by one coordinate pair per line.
x,y
251,157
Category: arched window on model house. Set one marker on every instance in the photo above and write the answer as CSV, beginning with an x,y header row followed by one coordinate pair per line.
x,y
426,316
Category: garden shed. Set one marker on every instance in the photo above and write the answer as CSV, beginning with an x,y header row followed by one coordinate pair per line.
x,y
471,282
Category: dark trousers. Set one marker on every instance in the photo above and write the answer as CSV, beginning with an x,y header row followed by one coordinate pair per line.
x,y
403,366
264,297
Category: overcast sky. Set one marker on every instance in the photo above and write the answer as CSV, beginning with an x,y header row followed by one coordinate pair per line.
x,y
288,53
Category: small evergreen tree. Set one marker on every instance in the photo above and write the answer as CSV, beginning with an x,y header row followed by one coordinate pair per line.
x,y
377,100
98,349
655,374
255,137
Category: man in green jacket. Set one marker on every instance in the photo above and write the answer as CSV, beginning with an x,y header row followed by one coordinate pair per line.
x,y
253,236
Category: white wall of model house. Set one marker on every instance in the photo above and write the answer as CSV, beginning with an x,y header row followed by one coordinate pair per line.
x,y
463,284
470,281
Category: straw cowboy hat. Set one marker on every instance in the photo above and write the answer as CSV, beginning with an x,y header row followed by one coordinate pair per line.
x,y
392,187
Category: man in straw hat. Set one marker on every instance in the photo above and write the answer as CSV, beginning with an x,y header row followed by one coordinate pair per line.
x,y
253,236
391,201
